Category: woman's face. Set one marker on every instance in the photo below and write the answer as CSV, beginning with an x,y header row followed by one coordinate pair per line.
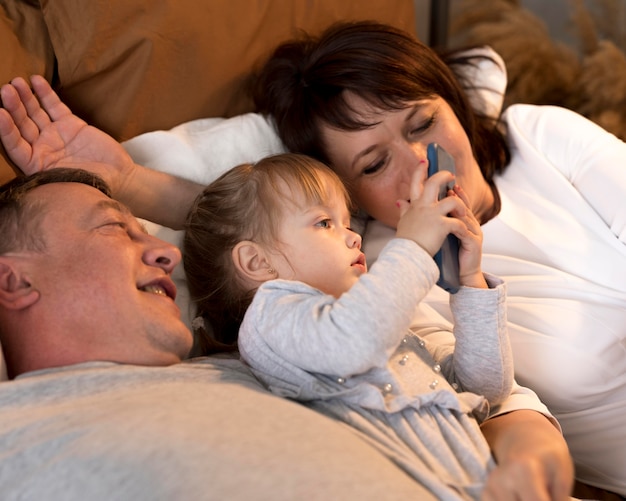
x,y
377,163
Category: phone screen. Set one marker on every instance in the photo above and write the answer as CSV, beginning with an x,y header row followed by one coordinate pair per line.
x,y
447,258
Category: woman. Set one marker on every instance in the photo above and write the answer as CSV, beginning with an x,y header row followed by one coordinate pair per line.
x,y
532,458
548,186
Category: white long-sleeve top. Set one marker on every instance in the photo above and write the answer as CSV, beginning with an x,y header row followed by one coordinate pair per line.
x,y
559,242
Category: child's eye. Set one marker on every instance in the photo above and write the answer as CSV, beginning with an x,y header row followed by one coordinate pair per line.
x,y
324,223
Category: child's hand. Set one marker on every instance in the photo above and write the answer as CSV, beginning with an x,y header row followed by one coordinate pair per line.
x,y
427,221
470,251
423,218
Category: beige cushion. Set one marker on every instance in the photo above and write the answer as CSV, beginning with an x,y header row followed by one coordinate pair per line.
x,y
130,66
26,49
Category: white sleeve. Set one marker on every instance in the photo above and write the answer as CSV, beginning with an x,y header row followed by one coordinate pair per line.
x,y
523,398
590,158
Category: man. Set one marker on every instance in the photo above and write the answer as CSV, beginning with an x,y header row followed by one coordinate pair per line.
x,y
102,408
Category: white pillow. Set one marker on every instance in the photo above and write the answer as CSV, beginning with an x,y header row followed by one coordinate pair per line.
x,y
488,79
201,150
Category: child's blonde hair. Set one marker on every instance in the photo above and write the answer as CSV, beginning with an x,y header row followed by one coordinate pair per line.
x,y
245,203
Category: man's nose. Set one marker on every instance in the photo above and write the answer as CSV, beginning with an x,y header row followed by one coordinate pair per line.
x,y
162,254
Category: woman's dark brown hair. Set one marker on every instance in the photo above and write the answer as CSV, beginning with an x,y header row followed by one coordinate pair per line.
x,y
304,84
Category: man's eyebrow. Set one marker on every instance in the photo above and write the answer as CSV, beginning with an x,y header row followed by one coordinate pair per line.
x,y
113,204
104,205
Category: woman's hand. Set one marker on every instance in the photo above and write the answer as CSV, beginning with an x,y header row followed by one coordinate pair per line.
x,y
533,461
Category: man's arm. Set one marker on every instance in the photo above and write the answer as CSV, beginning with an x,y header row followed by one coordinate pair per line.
x,y
40,132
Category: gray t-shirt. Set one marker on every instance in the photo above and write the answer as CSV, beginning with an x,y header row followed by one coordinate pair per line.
x,y
204,431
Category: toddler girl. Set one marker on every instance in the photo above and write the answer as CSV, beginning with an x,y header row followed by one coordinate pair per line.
x,y
271,244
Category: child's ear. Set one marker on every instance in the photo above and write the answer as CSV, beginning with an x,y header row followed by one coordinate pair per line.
x,y
16,290
251,262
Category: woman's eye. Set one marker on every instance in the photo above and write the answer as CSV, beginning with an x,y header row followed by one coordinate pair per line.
x,y
424,126
374,168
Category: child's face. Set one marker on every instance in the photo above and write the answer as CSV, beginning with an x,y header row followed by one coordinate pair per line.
x,y
318,247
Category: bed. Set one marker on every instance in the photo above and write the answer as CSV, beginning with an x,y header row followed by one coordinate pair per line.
x,y
207,431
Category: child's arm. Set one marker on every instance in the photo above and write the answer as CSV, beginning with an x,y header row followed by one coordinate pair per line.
x,y
481,360
477,357
345,336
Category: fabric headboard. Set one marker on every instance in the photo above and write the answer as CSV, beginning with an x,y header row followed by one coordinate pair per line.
x,y
135,66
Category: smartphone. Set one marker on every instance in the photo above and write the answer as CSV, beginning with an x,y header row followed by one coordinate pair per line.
x,y
447,258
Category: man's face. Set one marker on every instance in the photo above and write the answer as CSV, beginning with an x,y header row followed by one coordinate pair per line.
x,y
105,280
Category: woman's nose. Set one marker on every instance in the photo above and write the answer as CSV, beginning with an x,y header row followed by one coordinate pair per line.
x,y
413,156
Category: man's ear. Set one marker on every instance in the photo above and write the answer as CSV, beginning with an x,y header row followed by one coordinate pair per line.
x,y
251,262
16,290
